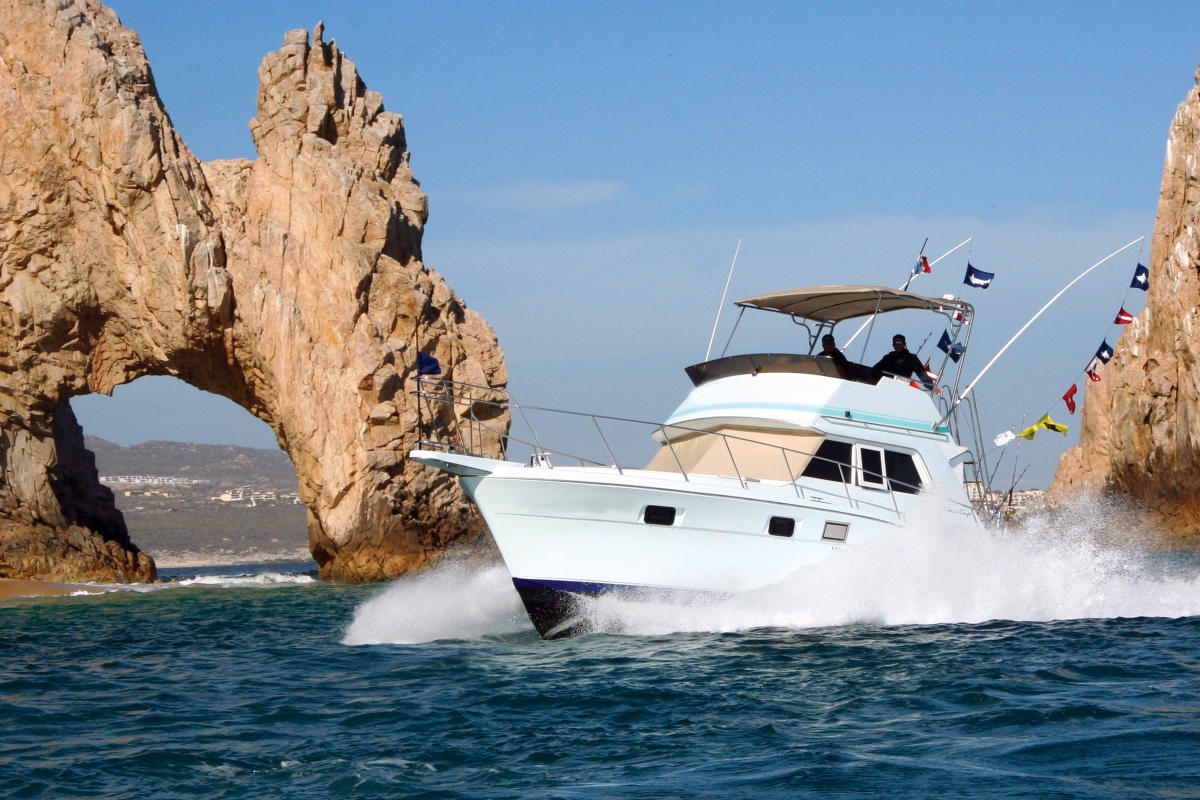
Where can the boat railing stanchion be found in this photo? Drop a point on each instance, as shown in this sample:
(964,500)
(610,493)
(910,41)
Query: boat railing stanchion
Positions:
(476,438)
(791,475)
(604,439)
(532,433)
(733,460)
(674,455)
(420,414)
(458,434)
(846,481)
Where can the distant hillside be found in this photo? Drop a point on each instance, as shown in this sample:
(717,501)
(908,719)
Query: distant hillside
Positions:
(224,465)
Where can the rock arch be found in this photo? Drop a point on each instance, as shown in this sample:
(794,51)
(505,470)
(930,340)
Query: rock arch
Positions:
(292,285)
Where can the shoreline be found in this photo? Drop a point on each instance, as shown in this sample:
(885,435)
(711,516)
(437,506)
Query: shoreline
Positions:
(19,587)
(12,588)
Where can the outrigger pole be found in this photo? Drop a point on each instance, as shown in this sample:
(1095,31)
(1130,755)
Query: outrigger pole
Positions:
(1061,292)
(905,286)
(717,321)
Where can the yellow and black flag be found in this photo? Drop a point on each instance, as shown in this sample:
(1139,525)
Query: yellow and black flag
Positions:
(1050,425)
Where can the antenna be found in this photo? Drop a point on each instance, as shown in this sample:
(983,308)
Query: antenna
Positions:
(905,286)
(717,321)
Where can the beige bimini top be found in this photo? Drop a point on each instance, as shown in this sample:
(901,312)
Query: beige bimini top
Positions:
(836,303)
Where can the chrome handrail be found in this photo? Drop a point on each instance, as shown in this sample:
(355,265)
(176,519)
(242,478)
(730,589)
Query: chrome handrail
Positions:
(454,393)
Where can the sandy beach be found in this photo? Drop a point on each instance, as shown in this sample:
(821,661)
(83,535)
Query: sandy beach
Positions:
(15,587)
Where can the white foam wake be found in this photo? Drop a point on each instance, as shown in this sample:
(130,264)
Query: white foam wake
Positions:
(450,601)
(935,570)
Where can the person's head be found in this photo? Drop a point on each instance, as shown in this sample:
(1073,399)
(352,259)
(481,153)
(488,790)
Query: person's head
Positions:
(898,343)
(827,342)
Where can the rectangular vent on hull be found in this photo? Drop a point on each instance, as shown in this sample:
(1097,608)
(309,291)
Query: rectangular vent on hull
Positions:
(836,531)
(659,515)
(781,526)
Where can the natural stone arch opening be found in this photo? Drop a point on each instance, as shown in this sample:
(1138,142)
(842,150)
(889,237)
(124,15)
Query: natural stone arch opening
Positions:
(292,285)
(158,436)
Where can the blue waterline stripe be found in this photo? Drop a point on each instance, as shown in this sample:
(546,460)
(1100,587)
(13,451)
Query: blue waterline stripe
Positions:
(589,588)
(883,419)
(573,586)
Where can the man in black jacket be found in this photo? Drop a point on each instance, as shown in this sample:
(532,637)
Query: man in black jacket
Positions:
(829,350)
(902,363)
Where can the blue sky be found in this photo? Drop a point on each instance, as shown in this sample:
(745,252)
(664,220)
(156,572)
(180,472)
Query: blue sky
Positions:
(591,167)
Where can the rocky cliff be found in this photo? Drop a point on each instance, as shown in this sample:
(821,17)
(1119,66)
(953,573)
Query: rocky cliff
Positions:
(292,284)
(1141,424)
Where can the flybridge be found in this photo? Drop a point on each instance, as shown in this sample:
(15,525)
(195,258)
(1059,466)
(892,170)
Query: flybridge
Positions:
(819,309)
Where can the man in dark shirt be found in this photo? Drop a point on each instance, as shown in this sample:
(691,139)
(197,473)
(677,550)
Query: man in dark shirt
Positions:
(902,363)
(829,350)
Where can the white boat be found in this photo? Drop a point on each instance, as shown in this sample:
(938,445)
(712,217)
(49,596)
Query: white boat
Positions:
(773,462)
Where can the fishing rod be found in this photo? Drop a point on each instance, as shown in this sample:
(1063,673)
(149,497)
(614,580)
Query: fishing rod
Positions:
(722,304)
(917,352)
(911,275)
(1008,344)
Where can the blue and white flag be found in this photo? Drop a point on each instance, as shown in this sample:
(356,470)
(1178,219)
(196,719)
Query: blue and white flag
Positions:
(947,346)
(1105,352)
(1141,278)
(428,365)
(978,278)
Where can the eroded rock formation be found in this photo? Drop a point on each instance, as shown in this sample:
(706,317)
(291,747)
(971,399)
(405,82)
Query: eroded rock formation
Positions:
(291,284)
(1141,424)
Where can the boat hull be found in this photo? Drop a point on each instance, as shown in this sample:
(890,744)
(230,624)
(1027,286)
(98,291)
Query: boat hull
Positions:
(570,535)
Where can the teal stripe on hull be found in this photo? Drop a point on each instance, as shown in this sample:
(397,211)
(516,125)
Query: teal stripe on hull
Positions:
(857,415)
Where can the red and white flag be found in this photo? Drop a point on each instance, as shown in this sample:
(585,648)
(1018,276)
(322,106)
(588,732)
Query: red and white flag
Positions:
(1069,398)
(1123,317)
(1091,371)
(933,376)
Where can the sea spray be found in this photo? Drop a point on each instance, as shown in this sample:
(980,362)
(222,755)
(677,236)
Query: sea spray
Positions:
(937,568)
(450,601)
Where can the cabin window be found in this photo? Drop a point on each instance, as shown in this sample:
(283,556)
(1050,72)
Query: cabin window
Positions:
(659,515)
(902,472)
(877,468)
(836,531)
(781,526)
(870,463)
(831,462)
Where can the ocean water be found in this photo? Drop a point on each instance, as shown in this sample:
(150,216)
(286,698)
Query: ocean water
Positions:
(1036,662)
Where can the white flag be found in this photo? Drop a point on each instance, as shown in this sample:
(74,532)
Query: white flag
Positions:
(1004,438)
